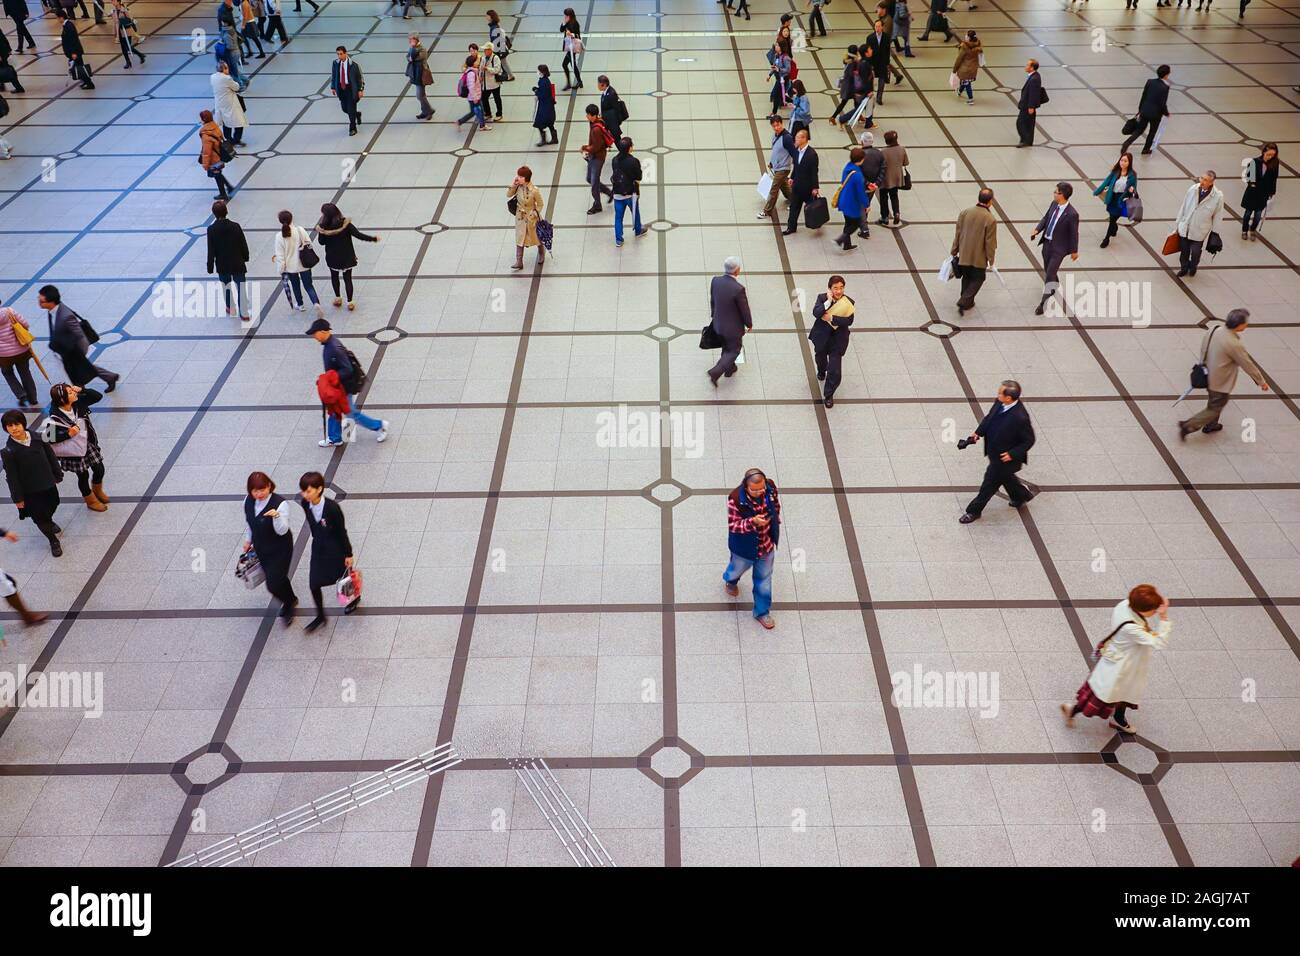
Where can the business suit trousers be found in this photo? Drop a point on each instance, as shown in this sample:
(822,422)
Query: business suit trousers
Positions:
(1025,123)
(274,25)
(971,281)
(1051,265)
(1150,126)
(815,20)
(796,207)
(727,362)
(829,363)
(20,27)
(1209,415)
(998,474)
(1189,254)
(348,103)
(780,187)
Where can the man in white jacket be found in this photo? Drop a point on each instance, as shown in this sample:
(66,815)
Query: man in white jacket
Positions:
(1198,217)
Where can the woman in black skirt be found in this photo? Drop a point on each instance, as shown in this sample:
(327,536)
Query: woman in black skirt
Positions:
(75,443)
(269,535)
(331,551)
(33,474)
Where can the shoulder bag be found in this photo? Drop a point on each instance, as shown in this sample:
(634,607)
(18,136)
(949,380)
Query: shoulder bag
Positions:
(307,254)
(1200,376)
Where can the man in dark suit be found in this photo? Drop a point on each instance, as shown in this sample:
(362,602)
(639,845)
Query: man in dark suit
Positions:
(1059,228)
(729,308)
(228,257)
(68,341)
(1008,435)
(613,111)
(830,336)
(1031,96)
(804,184)
(1152,108)
(347,83)
(876,49)
(17,11)
(71,42)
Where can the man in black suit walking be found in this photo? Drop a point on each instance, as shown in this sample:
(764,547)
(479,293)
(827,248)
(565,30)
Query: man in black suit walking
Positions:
(829,335)
(876,48)
(729,308)
(1031,96)
(804,184)
(1152,108)
(72,49)
(1008,435)
(1060,231)
(613,111)
(347,83)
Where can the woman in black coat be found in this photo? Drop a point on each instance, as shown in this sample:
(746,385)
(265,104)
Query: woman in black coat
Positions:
(331,551)
(830,335)
(270,537)
(544,116)
(336,232)
(1261,185)
(33,474)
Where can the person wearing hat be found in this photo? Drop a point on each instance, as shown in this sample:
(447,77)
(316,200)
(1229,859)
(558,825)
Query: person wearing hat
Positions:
(340,360)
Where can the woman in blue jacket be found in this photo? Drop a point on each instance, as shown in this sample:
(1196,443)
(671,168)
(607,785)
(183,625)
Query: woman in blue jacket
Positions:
(1117,187)
(801,116)
(853,199)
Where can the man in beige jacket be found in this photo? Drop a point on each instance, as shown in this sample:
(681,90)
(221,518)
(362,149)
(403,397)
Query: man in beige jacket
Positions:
(974,244)
(1225,355)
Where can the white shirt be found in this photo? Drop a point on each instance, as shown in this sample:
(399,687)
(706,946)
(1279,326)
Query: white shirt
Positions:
(1057,213)
(279,524)
(318,510)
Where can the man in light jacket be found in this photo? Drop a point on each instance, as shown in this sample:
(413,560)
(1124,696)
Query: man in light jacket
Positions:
(1224,357)
(1198,217)
(975,243)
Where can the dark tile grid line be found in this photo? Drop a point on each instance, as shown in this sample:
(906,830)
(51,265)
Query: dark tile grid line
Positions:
(235,699)
(421,854)
(1149,784)
(119,540)
(880,667)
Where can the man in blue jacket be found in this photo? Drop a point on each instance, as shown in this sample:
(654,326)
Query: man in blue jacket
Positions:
(336,357)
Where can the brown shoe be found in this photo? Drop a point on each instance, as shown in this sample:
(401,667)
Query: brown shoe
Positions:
(94,504)
(731,589)
(98,491)
(767,621)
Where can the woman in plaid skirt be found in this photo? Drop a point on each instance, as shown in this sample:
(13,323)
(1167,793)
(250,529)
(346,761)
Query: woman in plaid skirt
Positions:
(1140,626)
(75,443)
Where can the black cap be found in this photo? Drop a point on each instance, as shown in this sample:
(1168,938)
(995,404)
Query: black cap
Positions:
(320,325)
(787,17)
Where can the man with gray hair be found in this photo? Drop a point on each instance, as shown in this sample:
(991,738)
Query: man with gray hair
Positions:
(1008,435)
(729,310)
(1199,216)
(1223,356)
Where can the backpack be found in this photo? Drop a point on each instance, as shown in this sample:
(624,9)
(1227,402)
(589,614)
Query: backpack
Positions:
(609,140)
(462,85)
(357,382)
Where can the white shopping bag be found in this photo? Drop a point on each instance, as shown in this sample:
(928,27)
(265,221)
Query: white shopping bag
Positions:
(945,269)
(857,113)
(765,186)
(740,359)
(994,270)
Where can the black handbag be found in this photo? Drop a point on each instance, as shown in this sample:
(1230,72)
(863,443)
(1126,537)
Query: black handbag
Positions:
(816,213)
(1214,244)
(907,180)
(87,330)
(709,338)
(1043,97)
(1130,126)
(1200,377)
(308,256)
(513,205)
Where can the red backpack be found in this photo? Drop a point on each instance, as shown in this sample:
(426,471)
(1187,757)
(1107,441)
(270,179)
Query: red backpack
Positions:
(609,140)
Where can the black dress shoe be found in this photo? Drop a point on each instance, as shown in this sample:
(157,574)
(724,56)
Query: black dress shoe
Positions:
(56,549)
(821,376)
(356,602)
(1212,427)
(788,232)
(830,403)
(111,385)
(967,518)
(1039,310)
(713,381)
(313,624)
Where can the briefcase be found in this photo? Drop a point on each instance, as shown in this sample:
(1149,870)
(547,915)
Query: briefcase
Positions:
(1130,126)
(816,213)
(709,338)
(1171,244)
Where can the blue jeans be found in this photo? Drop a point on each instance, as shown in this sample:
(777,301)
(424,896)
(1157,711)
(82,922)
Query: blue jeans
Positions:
(237,279)
(334,426)
(619,206)
(968,86)
(762,578)
(294,282)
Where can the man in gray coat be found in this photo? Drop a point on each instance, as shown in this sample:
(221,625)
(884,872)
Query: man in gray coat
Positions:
(729,308)
(68,341)
(1224,357)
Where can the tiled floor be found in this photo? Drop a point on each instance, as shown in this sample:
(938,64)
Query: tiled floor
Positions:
(531,593)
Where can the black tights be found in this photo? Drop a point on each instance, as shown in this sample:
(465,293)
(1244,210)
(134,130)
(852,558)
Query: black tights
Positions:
(571,61)
(84,480)
(347,282)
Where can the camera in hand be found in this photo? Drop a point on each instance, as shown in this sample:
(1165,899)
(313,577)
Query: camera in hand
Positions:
(964,442)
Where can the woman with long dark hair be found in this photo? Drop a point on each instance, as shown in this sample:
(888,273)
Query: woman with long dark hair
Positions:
(571,31)
(270,538)
(75,443)
(295,274)
(1261,186)
(1118,187)
(544,114)
(336,232)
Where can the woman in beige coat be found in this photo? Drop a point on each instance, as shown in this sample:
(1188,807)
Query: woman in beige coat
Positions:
(967,66)
(895,176)
(528,211)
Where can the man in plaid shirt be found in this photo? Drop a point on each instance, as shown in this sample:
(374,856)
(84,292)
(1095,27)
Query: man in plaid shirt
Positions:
(753,531)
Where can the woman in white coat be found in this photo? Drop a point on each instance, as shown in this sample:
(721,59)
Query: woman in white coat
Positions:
(295,273)
(1140,626)
(229,112)
(1197,218)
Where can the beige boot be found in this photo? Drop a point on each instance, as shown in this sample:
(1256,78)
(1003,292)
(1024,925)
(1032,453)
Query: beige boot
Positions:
(94,504)
(99,493)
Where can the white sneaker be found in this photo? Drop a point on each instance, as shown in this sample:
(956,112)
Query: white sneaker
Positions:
(326,443)
(383,431)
